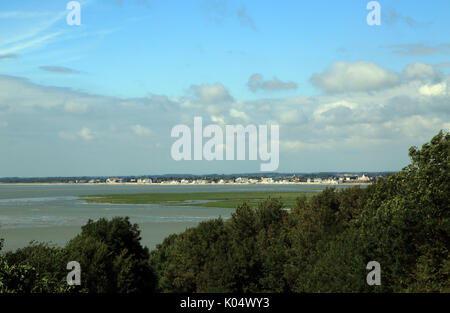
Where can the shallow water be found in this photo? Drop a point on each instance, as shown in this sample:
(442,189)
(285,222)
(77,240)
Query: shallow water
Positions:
(54,213)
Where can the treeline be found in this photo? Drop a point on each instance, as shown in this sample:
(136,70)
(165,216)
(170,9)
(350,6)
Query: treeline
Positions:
(320,245)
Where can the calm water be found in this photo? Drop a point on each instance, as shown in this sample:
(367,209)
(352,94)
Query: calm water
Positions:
(55,213)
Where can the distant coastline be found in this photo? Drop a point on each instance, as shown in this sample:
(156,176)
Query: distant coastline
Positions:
(188,184)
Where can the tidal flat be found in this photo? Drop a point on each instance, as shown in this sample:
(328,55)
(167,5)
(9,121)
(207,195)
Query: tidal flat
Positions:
(201,199)
(55,213)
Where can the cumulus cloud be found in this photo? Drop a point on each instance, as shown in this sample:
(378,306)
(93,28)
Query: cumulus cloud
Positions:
(355,119)
(357,76)
(434,90)
(18,94)
(290,116)
(238,114)
(256,82)
(419,71)
(210,94)
(336,111)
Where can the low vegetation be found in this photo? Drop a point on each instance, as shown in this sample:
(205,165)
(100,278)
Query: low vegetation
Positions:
(203,199)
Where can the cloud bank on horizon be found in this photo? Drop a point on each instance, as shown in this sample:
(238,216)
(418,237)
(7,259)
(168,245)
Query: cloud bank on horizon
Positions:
(101,98)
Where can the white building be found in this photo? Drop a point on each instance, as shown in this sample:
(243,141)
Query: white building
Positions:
(113,180)
(364,178)
(144,181)
(267,180)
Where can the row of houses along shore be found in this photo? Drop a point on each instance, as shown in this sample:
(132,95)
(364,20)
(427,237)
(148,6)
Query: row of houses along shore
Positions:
(332,180)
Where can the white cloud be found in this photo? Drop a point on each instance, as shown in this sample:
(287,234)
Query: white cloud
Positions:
(86,134)
(76,108)
(357,76)
(66,136)
(297,145)
(256,82)
(434,90)
(238,114)
(290,117)
(419,71)
(353,121)
(210,94)
(38,41)
(218,119)
(320,112)
(415,126)
(141,130)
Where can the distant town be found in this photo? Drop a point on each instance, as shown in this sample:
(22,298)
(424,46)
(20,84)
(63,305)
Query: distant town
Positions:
(329,178)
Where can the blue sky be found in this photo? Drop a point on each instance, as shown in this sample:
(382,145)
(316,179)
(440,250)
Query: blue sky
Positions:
(101,98)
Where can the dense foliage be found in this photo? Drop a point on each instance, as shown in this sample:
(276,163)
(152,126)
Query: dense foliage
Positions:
(321,245)
(109,253)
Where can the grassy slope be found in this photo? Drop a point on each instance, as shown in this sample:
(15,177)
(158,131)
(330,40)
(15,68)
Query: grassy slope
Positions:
(218,199)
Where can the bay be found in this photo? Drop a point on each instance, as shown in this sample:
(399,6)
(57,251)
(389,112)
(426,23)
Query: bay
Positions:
(55,213)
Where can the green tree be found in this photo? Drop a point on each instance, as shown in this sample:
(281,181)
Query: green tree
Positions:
(111,257)
(405,225)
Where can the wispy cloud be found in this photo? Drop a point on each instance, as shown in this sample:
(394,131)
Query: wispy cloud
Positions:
(8,56)
(140,2)
(59,69)
(391,17)
(442,65)
(30,43)
(23,14)
(244,19)
(216,10)
(35,30)
(419,49)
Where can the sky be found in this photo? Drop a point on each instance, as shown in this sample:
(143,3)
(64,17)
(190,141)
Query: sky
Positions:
(101,98)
